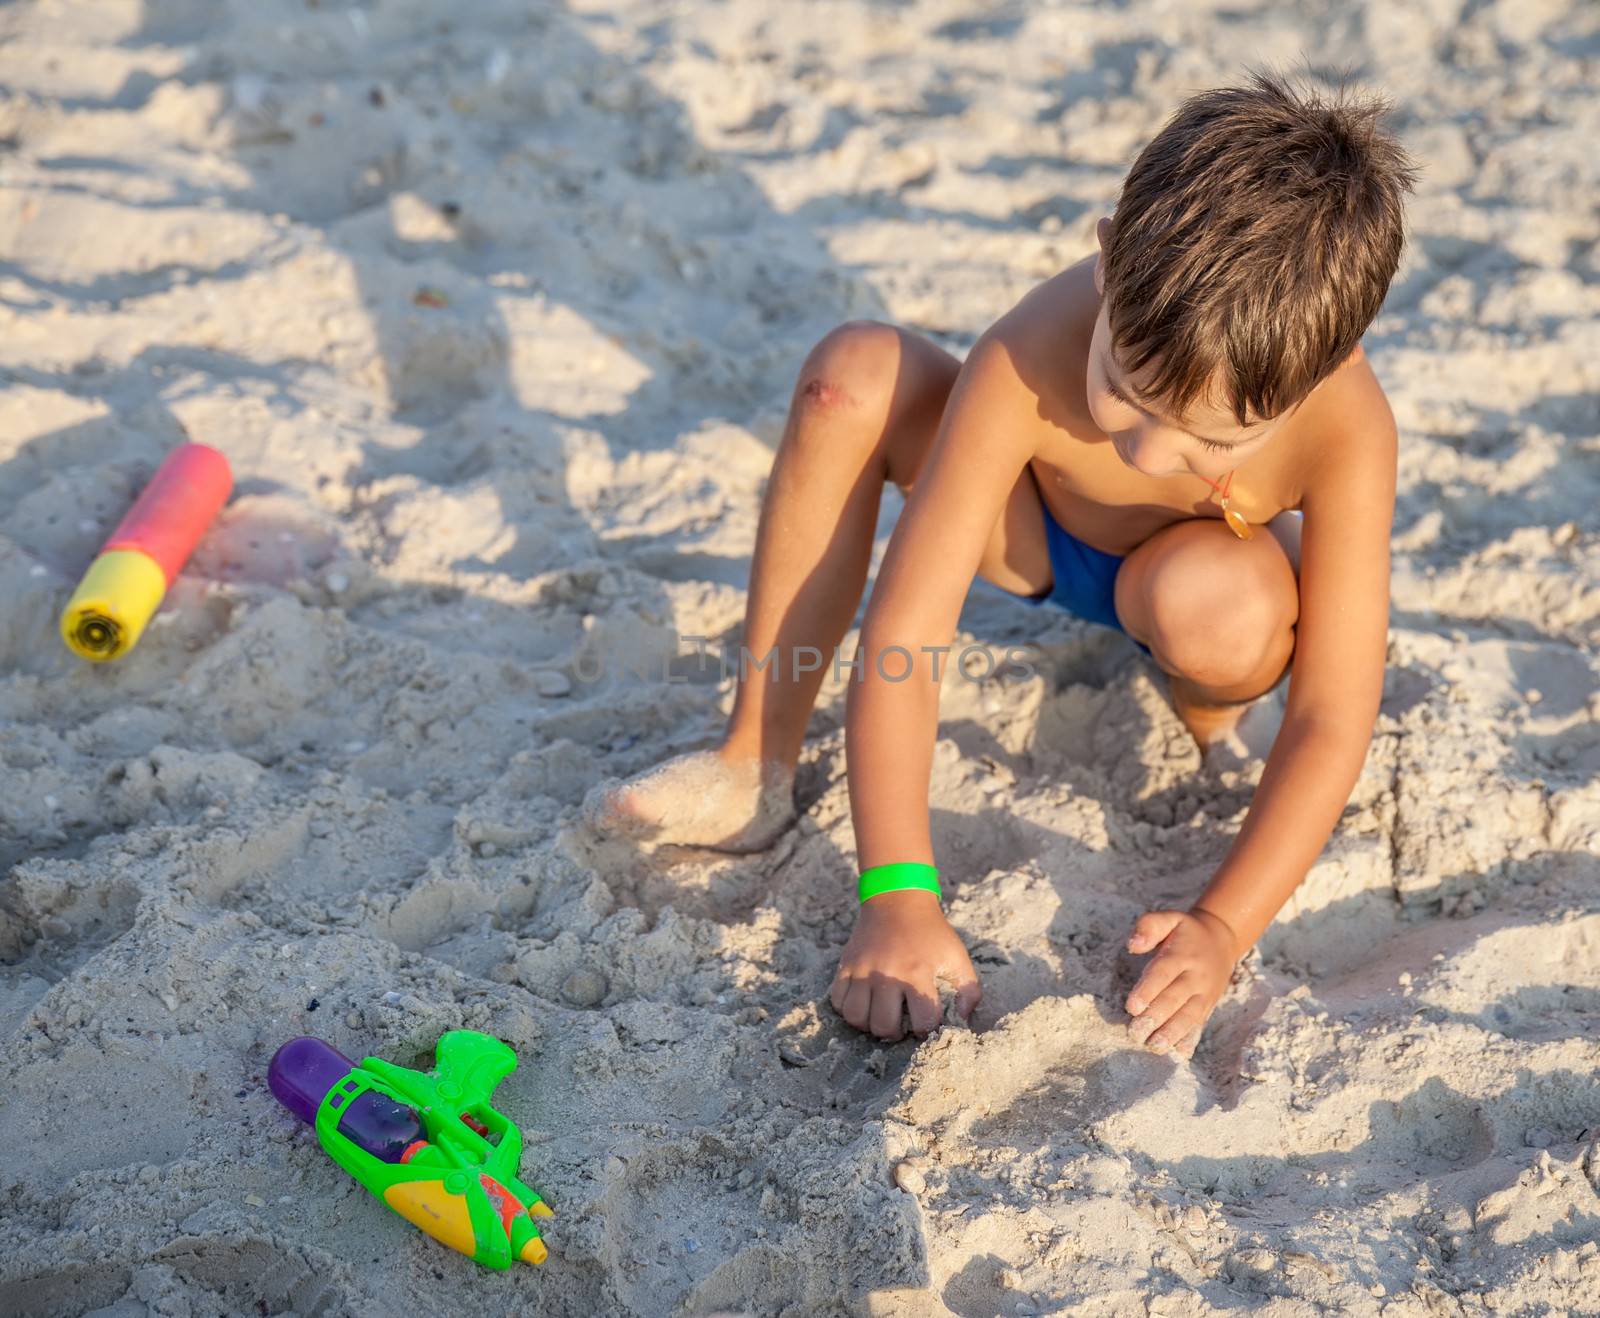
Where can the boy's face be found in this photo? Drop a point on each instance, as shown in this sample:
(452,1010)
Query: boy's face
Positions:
(1207,442)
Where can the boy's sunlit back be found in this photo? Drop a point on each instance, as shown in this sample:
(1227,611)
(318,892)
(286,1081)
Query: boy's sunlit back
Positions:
(1180,438)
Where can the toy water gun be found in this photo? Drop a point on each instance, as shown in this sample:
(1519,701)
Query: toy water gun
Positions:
(128,579)
(426,1143)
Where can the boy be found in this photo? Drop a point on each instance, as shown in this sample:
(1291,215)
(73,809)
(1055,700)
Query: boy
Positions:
(1139,440)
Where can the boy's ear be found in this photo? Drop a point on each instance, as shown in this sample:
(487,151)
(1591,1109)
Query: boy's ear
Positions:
(1102,234)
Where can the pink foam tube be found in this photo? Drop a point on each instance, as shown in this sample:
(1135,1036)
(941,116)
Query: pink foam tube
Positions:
(181,500)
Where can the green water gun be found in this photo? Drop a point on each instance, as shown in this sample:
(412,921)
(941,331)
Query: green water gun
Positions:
(427,1143)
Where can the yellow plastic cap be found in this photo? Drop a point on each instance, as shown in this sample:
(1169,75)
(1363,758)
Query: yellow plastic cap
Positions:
(534,1251)
(116,598)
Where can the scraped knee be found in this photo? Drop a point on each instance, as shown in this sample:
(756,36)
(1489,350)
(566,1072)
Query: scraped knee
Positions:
(853,368)
(819,393)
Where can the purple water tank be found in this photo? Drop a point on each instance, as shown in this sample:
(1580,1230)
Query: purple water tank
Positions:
(305,1069)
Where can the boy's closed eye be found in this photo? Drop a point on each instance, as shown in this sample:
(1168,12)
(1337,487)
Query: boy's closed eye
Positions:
(1123,396)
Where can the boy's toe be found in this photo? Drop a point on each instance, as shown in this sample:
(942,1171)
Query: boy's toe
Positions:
(606,810)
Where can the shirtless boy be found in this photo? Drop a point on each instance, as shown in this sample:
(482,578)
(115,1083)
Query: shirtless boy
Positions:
(1179,437)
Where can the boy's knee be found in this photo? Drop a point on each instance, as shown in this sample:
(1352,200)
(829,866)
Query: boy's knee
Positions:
(1217,623)
(853,368)
(1217,659)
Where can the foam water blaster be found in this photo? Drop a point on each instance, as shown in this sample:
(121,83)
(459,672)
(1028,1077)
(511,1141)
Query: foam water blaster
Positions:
(129,577)
(426,1143)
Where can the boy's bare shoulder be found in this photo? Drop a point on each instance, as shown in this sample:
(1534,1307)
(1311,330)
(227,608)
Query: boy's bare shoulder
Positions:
(1051,315)
(1347,427)
(1045,337)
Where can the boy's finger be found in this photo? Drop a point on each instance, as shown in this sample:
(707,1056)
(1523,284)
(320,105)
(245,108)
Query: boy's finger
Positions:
(1151,927)
(1157,976)
(1187,1018)
(1190,1042)
(887,1019)
(1165,1003)
(923,1009)
(969,993)
(837,991)
(857,1003)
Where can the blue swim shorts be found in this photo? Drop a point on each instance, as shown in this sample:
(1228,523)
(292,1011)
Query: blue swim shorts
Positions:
(1085,577)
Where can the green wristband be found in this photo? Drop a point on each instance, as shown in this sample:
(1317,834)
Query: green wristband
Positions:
(898,878)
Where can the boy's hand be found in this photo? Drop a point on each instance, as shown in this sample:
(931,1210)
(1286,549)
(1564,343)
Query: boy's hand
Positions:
(901,944)
(1193,962)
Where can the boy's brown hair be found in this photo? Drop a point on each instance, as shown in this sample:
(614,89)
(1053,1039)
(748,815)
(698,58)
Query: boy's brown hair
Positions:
(1253,243)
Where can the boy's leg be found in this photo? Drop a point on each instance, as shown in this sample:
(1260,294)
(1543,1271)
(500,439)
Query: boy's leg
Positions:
(1217,612)
(866,406)
(865,411)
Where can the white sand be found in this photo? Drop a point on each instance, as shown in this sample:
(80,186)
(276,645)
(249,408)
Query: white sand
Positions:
(337,772)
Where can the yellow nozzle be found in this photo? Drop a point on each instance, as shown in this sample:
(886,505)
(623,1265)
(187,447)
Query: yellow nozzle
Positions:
(534,1251)
(116,598)
(541,1209)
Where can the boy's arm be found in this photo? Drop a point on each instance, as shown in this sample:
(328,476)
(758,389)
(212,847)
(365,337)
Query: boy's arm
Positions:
(902,943)
(1335,686)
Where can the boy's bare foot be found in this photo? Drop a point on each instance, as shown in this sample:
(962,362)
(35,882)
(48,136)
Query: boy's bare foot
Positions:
(701,799)
(1209,724)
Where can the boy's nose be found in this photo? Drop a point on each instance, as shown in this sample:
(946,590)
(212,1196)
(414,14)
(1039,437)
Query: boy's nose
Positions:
(1149,452)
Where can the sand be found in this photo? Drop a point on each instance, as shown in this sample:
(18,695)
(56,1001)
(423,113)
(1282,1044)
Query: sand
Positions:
(495,309)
